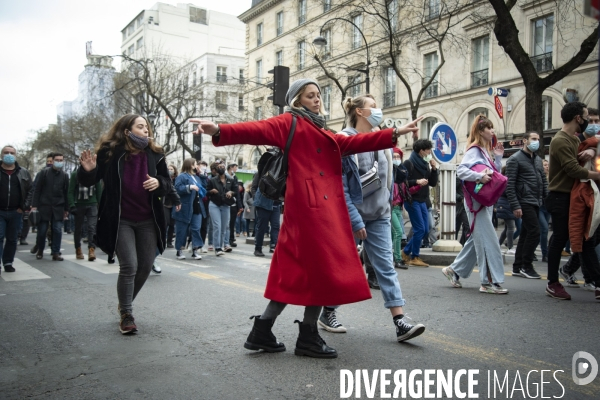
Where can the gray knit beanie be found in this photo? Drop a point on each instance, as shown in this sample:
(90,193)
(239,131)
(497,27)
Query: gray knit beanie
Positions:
(295,88)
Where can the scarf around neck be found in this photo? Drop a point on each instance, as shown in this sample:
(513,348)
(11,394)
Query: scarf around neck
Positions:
(418,162)
(317,119)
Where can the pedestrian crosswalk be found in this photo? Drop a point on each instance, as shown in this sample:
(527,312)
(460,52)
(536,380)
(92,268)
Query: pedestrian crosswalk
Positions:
(99,265)
(23,272)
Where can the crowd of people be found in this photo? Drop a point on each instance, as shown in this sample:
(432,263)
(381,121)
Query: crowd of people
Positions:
(127,200)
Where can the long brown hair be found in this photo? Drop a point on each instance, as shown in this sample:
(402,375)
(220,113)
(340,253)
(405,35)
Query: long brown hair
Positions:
(116,136)
(479,124)
(187,165)
(175,171)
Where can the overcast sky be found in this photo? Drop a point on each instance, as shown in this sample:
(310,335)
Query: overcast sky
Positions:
(42,52)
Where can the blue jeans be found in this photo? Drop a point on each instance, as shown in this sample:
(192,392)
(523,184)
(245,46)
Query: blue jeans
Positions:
(181,232)
(10,225)
(219,215)
(263,218)
(419,219)
(56,235)
(544,217)
(378,245)
(240,224)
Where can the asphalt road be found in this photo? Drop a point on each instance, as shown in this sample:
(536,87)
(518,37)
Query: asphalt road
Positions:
(59,336)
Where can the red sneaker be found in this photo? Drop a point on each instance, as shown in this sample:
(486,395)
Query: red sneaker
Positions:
(557,291)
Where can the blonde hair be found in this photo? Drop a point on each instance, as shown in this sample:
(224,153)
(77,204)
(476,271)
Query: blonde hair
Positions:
(351,104)
(475,139)
(295,103)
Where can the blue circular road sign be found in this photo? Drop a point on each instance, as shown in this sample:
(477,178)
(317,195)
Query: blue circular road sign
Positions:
(444,142)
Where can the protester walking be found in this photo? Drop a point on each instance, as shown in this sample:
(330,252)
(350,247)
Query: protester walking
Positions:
(221,192)
(249,210)
(15,186)
(168,205)
(131,220)
(83,204)
(482,247)
(305,270)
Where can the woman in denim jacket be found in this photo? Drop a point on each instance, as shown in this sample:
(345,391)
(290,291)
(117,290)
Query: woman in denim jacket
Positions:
(370,216)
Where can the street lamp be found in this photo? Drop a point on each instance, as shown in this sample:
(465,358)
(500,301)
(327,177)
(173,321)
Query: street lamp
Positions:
(321,42)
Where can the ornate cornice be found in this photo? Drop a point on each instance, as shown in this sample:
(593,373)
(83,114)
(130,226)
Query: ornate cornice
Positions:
(257,10)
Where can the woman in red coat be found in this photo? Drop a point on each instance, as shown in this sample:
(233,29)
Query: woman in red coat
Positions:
(305,269)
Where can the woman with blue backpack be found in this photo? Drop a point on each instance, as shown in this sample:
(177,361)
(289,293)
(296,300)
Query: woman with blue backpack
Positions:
(482,247)
(189,217)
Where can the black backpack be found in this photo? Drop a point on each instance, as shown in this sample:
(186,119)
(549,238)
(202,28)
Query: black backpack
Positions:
(273,168)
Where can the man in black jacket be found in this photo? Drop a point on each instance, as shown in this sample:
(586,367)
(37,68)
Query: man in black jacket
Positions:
(15,185)
(51,198)
(237,208)
(527,187)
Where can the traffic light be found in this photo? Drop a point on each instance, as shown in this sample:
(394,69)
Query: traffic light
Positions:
(280,84)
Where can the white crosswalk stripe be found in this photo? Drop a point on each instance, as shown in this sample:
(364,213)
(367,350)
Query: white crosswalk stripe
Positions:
(99,265)
(23,272)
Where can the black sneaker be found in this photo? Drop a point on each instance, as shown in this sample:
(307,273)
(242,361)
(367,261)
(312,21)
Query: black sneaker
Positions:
(406,331)
(328,321)
(535,258)
(219,252)
(272,250)
(233,244)
(530,273)
(258,253)
(9,268)
(517,272)
(34,249)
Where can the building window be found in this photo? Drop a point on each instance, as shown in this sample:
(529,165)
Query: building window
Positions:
(327,49)
(255,157)
(326,5)
(221,100)
(430,63)
(279,58)
(241,77)
(354,83)
(198,15)
(481,57)
(301,11)
(542,30)
(124,34)
(392,10)
(426,126)
(258,113)
(389,93)
(326,96)
(130,29)
(140,43)
(356,36)
(433,9)
(259,34)
(474,114)
(130,50)
(279,23)
(301,54)
(240,102)
(140,20)
(259,71)
(194,78)
(202,75)
(547,112)
(221,74)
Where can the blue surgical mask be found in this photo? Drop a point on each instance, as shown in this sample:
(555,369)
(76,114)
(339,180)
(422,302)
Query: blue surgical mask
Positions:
(592,130)
(534,145)
(376,116)
(58,164)
(8,159)
(396,162)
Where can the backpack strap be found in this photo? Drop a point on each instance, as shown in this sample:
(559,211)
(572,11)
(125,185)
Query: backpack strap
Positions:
(469,201)
(288,144)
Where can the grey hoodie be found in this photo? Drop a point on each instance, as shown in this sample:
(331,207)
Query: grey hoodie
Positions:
(377,205)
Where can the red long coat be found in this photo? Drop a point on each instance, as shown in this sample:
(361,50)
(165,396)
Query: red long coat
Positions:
(315,262)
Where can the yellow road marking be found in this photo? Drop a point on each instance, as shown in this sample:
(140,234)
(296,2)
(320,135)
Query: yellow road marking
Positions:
(225,282)
(202,275)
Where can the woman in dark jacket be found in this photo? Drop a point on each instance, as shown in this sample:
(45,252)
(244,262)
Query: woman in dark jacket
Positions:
(130,217)
(173,173)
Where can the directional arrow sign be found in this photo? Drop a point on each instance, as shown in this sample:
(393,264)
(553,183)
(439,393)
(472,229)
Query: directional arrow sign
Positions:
(444,142)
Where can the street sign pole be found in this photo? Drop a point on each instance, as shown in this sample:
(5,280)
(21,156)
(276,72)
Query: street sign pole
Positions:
(444,150)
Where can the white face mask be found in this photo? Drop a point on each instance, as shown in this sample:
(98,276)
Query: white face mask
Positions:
(427,158)
(396,162)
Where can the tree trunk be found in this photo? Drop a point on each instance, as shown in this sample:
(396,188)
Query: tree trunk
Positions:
(533,112)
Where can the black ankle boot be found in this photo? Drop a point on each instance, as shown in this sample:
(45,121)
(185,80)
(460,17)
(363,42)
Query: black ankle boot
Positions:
(261,337)
(372,280)
(311,344)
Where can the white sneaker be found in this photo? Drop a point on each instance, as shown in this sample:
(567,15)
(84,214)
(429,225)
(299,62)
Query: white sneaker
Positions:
(196,255)
(204,250)
(156,269)
(511,251)
(590,287)
(180,255)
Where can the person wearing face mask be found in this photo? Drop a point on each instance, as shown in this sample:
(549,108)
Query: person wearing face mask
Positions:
(370,216)
(202,174)
(222,194)
(564,171)
(131,221)
(49,161)
(422,171)
(526,190)
(15,185)
(51,198)
(168,204)
(305,269)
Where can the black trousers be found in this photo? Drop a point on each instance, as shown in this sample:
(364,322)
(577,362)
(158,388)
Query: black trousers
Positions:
(558,205)
(590,266)
(462,220)
(170,223)
(232,216)
(529,238)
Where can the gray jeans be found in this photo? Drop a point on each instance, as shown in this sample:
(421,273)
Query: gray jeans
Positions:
(136,250)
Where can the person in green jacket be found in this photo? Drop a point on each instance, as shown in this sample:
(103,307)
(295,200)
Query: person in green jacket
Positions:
(83,203)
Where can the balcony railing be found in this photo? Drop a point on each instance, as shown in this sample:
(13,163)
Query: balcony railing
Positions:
(543,62)
(479,78)
(432,90)
(222,78)
(389,99)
